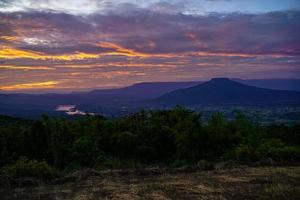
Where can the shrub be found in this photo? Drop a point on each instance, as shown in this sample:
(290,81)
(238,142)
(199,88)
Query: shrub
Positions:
(30,168)
(268,148)
(287,153)
(245,153)
(85,152)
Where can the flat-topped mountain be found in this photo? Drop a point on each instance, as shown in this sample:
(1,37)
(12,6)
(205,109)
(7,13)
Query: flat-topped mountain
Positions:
(223,91)
(218,91)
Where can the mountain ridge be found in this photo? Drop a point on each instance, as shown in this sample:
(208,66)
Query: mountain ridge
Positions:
(145,95)
(223,91)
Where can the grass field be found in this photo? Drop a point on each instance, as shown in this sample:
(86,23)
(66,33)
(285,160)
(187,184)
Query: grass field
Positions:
(238,183)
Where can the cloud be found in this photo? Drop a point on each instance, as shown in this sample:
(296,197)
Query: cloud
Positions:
(268,33)
(167,7)
(12,53)
(67,6)
(86,7)
(151,43)
(25,67)
(38,85)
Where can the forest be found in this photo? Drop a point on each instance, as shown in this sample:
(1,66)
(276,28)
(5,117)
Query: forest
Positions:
(51,147)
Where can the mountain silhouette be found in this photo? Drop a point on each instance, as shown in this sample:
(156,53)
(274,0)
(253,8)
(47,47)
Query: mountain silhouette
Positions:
(145,89)
(218,91)
(223,91)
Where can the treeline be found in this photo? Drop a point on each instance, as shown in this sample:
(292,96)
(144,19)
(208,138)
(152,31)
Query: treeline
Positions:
(166,137)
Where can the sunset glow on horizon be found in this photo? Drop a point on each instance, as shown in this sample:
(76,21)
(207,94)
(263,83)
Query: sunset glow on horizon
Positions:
(87,44)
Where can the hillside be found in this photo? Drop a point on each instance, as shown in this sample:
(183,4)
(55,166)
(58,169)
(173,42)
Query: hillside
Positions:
(137,96)
(223,91)
(146,90)
(276,84)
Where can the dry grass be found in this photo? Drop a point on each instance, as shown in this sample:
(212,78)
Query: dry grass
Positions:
(241,183)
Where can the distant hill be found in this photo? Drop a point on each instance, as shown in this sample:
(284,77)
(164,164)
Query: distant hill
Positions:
(156,89)
(28,105)
(164,93)
(223,91)
(145,90)
(276,84)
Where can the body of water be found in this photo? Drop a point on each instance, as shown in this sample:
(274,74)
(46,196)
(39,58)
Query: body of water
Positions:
(71,110)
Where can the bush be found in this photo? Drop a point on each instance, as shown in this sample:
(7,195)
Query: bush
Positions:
(245,153)
(85,152)
(268,148)
(30,168)
(286,153)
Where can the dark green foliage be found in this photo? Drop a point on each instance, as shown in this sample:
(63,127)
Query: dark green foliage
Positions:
(169,137)
(268,148)
(85,152)
(30,168)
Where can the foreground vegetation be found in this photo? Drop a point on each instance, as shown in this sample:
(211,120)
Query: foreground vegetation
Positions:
(51,147)
(236,183)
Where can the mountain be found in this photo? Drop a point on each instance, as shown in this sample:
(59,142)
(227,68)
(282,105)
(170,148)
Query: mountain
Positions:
(223,91)
(28,105)
(276,84)
(216,91)
(145,90)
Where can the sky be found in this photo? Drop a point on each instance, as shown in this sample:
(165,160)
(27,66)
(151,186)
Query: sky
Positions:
(70,45)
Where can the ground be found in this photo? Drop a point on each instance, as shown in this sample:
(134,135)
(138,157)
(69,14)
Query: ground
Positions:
(238,183)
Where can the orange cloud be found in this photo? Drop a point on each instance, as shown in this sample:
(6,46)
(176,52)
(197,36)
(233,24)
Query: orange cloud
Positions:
(116,64)
(119,50)
(116,50)
(13,53)
(122,51)
(26,67)
(9,38)
(37,85)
